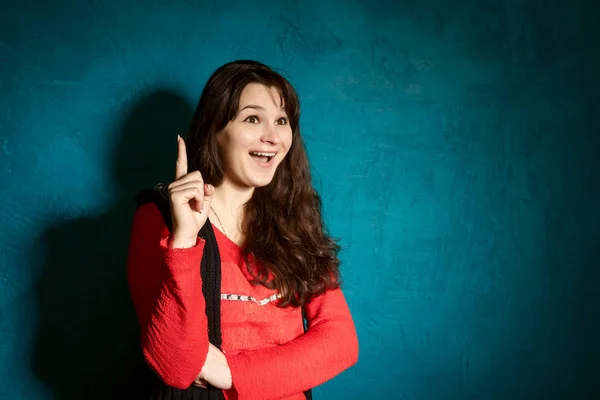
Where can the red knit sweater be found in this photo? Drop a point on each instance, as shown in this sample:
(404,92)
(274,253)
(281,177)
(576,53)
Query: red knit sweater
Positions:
(269,355)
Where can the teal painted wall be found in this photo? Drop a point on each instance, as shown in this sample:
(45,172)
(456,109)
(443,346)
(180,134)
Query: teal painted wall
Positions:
(455,144)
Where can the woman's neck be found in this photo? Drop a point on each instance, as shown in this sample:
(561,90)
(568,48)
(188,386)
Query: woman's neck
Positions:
(230,198)
(228,207)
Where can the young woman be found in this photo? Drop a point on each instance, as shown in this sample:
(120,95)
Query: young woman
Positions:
(242,185)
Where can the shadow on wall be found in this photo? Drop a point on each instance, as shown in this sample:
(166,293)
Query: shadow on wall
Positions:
(87,344)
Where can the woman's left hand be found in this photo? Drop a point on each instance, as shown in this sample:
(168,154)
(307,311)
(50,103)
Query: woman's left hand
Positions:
(215,370)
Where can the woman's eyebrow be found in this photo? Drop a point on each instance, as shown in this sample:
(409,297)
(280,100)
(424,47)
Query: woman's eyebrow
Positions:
(252,106)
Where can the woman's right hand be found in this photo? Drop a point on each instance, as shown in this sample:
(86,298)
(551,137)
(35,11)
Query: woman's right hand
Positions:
(215,370)
(190,200)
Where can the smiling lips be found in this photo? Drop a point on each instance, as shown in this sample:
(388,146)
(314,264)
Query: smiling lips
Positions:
(263,158)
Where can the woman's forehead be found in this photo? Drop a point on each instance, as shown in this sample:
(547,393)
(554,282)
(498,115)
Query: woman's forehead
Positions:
(262,96)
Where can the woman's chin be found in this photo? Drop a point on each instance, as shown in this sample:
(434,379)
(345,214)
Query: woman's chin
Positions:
(253,182)
(257,183)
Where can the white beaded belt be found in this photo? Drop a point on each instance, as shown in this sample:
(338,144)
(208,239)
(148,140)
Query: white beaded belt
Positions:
(240,297)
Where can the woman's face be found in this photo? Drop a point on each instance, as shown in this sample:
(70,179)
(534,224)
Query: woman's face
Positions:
(255,142)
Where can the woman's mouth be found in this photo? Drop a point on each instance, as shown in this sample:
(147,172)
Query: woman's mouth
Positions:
(263,158)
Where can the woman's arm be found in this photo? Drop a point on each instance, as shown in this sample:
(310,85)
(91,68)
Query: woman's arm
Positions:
(328,347)
(166,289)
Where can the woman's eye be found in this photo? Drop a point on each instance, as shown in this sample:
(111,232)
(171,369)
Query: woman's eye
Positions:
(282,121)
(253,119)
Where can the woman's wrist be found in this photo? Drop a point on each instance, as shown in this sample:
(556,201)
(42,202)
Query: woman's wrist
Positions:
(178,242)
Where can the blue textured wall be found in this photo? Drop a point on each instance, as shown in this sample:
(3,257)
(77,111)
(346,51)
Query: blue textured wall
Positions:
(455,144)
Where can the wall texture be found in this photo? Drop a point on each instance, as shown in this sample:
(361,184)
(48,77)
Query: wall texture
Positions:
(455,145)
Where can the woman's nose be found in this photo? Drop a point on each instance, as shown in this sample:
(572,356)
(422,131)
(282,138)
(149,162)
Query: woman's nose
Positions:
(270,135)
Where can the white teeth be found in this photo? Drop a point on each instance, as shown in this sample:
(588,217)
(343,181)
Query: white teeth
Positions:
(263,154)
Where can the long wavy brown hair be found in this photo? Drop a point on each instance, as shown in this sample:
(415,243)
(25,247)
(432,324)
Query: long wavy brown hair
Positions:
(283,226)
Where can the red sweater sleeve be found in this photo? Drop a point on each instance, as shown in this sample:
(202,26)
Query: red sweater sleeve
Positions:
(166,289)
(329,346)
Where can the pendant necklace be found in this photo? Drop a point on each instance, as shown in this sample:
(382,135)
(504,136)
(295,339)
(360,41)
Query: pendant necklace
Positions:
(220,223)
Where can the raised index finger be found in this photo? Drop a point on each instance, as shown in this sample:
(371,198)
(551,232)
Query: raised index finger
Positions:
(181,168)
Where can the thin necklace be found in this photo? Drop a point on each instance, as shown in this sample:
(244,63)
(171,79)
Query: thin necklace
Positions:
(220,223)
